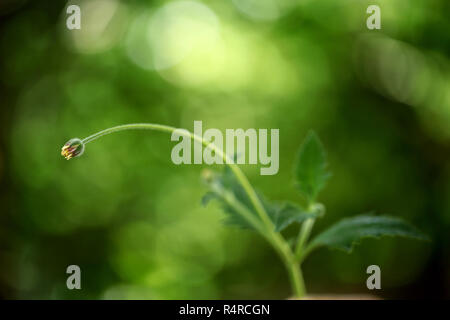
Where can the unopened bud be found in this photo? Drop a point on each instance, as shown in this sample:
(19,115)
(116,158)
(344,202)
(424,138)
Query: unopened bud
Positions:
(73,148)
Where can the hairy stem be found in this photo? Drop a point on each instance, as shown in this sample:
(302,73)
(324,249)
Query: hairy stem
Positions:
(267,228)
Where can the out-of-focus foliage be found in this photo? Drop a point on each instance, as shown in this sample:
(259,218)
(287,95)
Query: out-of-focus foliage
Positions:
(132,220)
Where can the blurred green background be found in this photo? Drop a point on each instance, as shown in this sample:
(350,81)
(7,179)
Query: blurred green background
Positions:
(132,220)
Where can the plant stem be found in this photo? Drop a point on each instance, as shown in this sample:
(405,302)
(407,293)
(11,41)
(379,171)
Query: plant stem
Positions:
(303,236)
(267,228)
(296,278)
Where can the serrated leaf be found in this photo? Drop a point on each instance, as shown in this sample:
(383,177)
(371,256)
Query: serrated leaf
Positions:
(289,213)
(311,167)
(225,184)
(282,214)
(345,234)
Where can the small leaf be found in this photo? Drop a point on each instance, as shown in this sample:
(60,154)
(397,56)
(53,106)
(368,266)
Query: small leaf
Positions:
(345,234)
(225,184)
(311,168)
(289,213)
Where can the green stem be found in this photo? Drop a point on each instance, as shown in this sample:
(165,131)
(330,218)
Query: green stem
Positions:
(297,280)
(304,248)
(267,228)
(300,252)
(303,236)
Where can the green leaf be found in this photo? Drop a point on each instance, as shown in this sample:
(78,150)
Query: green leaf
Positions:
(225,186)
(311,167)
(233,216)
(229,193)
(289,213)
(345,234)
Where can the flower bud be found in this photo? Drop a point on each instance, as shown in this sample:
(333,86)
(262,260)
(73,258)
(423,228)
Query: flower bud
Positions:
(73,148)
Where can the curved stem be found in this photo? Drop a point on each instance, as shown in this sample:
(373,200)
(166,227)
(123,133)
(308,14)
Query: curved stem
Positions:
(274,238)
(228,160)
